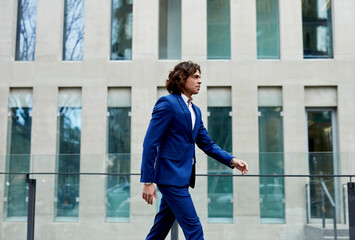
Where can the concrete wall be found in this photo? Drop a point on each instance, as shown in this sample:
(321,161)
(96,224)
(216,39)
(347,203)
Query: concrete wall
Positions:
(243,73)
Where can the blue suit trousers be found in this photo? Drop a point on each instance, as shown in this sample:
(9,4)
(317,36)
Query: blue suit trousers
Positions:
(176,203)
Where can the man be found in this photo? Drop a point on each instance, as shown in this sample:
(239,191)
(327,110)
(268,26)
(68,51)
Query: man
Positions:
(169,153)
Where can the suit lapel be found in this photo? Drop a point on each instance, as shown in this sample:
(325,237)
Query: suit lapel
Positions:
(187,113)
(197,121)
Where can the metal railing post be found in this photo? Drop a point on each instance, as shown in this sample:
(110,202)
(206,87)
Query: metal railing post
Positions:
(31,207)
(323,209)
(344,203)
(325,191)
(175,231)
(335,223)
(307,202)
(351,207)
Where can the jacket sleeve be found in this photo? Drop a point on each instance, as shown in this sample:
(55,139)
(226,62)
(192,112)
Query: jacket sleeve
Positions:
(205,143)
(161,119)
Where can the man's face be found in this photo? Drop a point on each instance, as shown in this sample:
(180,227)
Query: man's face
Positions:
(192,84)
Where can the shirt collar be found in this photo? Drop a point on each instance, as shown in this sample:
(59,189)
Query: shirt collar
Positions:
(186,99)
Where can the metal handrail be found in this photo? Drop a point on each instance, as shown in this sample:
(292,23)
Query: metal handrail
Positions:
(174,233)
(197,174)
(326,191)
(344,202)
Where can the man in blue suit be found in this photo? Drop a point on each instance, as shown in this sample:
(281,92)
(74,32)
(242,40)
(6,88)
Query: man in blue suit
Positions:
(169,153)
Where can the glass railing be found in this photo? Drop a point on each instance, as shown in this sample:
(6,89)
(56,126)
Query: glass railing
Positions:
(102,198)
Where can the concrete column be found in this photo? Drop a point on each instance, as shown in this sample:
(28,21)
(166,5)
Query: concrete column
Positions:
(194,30)
(296,160)
(245,139)
(4,94)
(291,35)
(49,31)
(93,150)
(145,30)
(43,149)
(343,21)
(8,19)
(346,130)
(97,40)
(243,30)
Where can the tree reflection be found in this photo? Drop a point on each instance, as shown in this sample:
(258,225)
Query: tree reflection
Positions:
(73,30)
(26,30)
(69,136)
(121,35)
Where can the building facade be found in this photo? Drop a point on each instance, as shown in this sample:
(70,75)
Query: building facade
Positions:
(79,79)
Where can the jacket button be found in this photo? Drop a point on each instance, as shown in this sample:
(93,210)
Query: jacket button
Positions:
(192,143)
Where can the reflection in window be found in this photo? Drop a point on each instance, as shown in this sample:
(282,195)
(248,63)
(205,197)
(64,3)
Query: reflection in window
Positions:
(18,153)
(271,161)
(220,189)
(218,29)
(317,29)
(267,16)
(118,154)
(68,150)
(73,30)
(271,156)
(170,29)
(26,30)
(121,30)
(321,159)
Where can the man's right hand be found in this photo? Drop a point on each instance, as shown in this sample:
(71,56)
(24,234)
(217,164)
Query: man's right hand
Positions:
(149,192)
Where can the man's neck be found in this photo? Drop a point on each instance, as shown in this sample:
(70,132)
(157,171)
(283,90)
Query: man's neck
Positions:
(189,96)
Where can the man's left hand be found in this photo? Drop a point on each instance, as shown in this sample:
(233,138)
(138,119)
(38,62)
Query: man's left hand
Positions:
(240,165)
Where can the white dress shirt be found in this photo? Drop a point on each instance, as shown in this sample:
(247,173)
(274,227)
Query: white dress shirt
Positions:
(189,106)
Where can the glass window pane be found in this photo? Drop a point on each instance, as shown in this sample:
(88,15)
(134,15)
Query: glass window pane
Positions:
(317,29)
(18,153)
(118,158)
(121,30)
(170,29)
(73,30)
(220,189)
(218,29)
(26,30)
(321,158)
(68,150)
(267,33)
(271,161)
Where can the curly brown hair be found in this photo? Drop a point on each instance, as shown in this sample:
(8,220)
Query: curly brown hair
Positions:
(177,77)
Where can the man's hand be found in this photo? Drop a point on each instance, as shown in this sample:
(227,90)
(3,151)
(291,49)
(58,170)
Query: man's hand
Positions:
(240,165)
(149,192)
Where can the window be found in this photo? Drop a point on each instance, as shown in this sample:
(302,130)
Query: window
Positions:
(118,154)
(73,30)
(170,29)
(218,29)
(26,30)
(68,154)
(322,158)
(220,189)
(18,153)
(267,16)
(317,29)
(121,30)
(271,157)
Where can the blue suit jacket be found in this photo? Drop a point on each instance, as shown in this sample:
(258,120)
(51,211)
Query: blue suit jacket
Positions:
(169,144)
